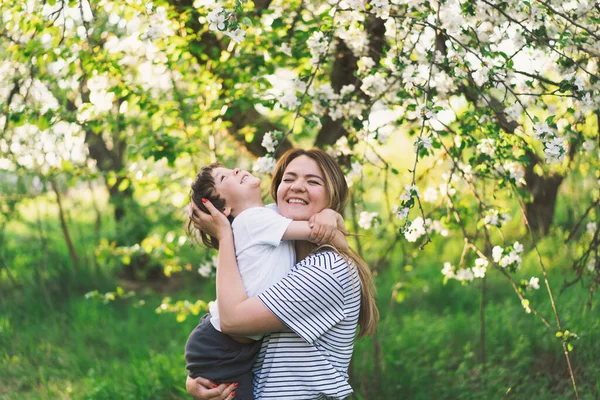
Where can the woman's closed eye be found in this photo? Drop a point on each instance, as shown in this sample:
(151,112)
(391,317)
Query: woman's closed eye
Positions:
(315,183)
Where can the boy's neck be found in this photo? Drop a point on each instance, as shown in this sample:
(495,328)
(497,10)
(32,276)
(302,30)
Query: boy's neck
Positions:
(252,204)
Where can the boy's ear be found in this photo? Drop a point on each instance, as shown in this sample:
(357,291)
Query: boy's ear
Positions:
(226,211)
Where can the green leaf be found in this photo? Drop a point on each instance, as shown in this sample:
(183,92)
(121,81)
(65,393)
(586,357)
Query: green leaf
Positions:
(123,185)
(67,166)
(43,123)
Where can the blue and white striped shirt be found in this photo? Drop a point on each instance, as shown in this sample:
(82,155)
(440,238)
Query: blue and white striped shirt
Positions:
(319,301)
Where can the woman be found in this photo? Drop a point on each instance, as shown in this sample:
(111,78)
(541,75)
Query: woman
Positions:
(313,312)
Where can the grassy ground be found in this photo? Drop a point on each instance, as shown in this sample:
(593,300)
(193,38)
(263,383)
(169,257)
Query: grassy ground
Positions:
(64,346)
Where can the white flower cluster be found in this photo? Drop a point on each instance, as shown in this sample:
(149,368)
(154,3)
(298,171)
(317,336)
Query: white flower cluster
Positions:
(588,146)
(354,174)
(418,227)
(555,147)
(317,45)
(466,274)
(415,230)
(374,85)
(494,218)
(159,25)
(264,164)
(591,265)
(400,213)
(409,190)
(336,105)
(271,140)
(289,98)
(487,146)
(209,268)
(591,228)
(423,142)
(381,8)
(218,20)
(534,283)
(430,195)
(514,170)
(368,220)
(510,258)
(101,100)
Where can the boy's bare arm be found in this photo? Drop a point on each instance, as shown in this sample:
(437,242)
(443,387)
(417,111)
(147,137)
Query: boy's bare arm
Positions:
(326,227)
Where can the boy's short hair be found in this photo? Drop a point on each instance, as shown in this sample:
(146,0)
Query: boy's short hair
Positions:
(204,187)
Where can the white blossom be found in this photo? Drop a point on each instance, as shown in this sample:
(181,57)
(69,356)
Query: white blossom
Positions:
(480,267)
(368,219)
(237,35)
(534,283)
(588,146)
(264,164)
(415,230)
(430,195)
(317,45)
(465,274)
(591,228)
(401,213)
(448,270)
(487,146)
(269,142)
(497,253)
(591,264)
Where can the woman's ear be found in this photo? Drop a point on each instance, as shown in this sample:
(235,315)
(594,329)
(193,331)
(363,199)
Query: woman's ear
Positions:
(226,211)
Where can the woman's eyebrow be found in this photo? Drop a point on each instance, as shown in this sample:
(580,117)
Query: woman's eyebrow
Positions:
(295,175)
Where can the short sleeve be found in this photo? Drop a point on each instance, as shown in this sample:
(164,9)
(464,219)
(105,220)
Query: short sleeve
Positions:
(261,225)
(309,300)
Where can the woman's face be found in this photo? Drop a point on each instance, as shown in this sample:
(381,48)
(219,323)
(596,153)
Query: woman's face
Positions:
(302,192)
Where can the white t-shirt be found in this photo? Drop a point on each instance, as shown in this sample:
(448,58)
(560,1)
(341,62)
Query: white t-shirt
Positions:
(319,301)
(263,258)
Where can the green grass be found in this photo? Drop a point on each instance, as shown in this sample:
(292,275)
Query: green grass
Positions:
(429,341)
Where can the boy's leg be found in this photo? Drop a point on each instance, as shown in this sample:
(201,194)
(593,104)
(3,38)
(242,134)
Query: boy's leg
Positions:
(216,356)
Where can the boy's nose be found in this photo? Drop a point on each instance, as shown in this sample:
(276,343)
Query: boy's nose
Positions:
(236,171)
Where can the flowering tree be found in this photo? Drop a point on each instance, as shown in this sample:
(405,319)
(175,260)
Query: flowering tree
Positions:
(501,100)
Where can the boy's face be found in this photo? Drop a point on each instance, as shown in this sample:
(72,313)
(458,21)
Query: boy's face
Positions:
(238,188)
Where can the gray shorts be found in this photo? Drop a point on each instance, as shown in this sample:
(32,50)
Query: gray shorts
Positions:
(216,356)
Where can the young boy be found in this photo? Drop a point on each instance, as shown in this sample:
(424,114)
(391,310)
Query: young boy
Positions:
(265,253)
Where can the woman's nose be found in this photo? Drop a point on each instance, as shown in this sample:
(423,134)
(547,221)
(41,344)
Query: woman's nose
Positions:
(298,186)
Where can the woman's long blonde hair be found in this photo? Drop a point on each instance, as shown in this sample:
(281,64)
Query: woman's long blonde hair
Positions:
(337,192)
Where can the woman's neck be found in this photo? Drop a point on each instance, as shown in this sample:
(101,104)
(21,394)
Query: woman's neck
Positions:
(303,249)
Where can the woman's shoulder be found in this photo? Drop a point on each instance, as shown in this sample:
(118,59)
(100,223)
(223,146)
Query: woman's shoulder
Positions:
(327,257)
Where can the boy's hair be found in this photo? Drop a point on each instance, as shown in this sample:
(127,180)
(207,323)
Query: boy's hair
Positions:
(204,187)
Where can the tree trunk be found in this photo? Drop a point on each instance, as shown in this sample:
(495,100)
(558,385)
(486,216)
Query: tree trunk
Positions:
(65,228)
(540,209)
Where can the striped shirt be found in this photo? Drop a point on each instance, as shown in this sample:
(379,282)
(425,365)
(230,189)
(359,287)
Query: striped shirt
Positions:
(319,301)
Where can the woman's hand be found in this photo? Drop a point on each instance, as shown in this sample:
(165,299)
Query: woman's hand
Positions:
(203,389)
(215,224)
(325,225)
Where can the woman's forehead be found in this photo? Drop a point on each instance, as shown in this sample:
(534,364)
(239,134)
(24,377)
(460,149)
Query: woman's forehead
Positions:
(302,166)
